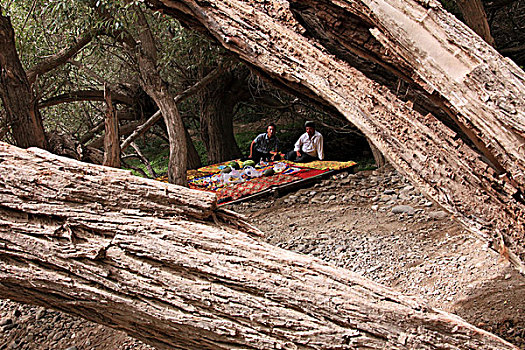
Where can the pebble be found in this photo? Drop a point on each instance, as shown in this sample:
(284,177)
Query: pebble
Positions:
(403,209)
(6,321)
(437,215)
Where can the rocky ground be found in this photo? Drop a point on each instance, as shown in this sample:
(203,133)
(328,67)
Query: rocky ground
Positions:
(373,223)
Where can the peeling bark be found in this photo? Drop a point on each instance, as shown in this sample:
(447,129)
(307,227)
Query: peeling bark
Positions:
(482,91)
(111,136)
(160,262)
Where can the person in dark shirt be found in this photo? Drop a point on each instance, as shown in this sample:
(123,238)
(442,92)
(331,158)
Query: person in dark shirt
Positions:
(265,146)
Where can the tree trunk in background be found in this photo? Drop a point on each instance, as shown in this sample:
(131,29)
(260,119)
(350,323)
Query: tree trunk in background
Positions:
(217,104)
(159,91)
(483,93)
(476,18)
(17,96)
(161,263)
(379,158)
(111,137)
(194,161)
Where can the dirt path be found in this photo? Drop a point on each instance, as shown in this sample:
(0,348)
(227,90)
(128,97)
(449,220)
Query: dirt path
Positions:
(373,223)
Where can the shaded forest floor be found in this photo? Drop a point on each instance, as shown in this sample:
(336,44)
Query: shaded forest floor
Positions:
(373,223)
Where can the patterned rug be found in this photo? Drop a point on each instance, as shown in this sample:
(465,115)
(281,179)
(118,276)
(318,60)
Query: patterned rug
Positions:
(231,193)
(242,183)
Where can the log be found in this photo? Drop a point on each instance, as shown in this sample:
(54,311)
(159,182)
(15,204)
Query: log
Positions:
(292,43)
(163,264)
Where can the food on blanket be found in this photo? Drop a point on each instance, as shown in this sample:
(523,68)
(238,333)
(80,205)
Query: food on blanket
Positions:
(226,170)
(234,165)
(279,167)
(269,172)
(234,177)
(251,172)
(248,163)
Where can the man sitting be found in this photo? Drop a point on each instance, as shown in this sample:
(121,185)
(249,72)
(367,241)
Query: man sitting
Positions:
(265,146)
(309,147)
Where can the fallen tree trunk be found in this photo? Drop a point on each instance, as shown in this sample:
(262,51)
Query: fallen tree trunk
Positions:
(293,43)
(160,262)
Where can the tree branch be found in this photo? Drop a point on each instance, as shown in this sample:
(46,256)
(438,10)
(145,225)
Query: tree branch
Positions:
(85,95)
(144,160)
(182,96)
(60,57)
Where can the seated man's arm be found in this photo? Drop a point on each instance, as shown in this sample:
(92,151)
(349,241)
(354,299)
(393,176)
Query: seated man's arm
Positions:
(275,149)
(297,146)
(251,148)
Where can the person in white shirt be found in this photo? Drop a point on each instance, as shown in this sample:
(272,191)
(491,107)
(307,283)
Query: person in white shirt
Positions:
(309,147)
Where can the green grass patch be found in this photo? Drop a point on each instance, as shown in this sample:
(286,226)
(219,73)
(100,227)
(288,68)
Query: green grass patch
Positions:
(244,139)
(157,152)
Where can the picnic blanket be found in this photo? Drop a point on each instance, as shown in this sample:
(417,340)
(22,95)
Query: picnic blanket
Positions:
(244,182)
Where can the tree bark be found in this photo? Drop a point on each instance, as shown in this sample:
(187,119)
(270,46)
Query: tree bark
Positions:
(182,96)
(158,89)
(111,137)
(162,263)
(125,130)
(217,104)
(17,96)
(476,18)
(378,156)
(194,160)
(419,41)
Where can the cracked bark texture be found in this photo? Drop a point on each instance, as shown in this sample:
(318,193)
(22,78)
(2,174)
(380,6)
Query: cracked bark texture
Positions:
(320,49)
(162,263)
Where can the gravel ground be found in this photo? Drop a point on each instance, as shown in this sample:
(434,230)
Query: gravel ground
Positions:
(372,223)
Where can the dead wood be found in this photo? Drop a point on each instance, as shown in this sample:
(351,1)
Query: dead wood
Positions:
(422,43)
(145,257)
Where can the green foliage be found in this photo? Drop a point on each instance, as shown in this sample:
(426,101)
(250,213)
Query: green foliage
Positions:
(201,150)
(157,152)
(244,139)
(184,58)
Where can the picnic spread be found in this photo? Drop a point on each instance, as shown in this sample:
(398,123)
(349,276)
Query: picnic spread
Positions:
(234,179)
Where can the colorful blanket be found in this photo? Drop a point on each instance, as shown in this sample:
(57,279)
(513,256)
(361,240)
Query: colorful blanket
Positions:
(325,164)
(230,193)
(244,182)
